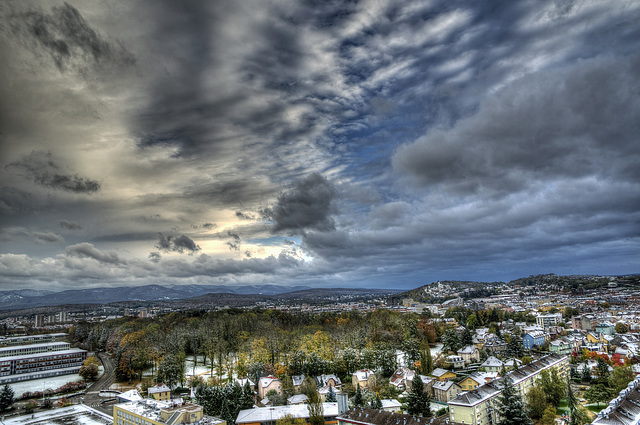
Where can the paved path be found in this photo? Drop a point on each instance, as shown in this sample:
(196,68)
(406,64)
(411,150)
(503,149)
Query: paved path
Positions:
(92,397)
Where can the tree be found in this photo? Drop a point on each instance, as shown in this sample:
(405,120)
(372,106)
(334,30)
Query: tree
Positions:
(536,402)
(376,403)
(466,338)
(6,397)
(515,347)
(578,415)
(548,416)
(30,406)
(290,420)
(89,369)
(331,396)
(451,340)
(418,400)
(621,328)
(316,412)
(169,371)
(552,385)
(426,361)
(358,400)
(246,401)
(602,369)
(276,398)
(620,378)
(586,374)
(510,406)
(598,393)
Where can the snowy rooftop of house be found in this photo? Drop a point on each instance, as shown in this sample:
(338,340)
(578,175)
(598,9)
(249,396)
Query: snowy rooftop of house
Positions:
(363,374)
(160,388)
(151,409)
(131,395)
(469,349)
(272,414)
(297,379)
(390,403)
(267,380)
(444,386)
(297,399)
(439,372)
(78,414)
(492,362)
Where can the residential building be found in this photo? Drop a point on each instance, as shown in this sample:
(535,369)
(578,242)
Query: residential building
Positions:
(478,407)
(442,374)
(457,362)
(74,414)
(328,380)
(267,384)
(364,378)
(39,321)
(297,381)
(605,328)
(159,392)
(560,347)
(546,320)
(445,391)
(492,364)
(156,412)
(391,405)
(31,339)
(297,399)
(427,382)
(585,322)
(495,346)
(400,376)
(269,415)
(470,354)
(477,379)
(533,339)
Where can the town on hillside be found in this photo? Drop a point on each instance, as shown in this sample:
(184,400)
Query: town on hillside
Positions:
(541,350)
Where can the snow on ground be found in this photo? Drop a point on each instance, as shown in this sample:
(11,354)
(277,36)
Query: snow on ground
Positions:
(52,383)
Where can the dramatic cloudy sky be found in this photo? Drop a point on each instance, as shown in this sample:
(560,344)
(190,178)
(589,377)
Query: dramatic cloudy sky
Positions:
(373,143)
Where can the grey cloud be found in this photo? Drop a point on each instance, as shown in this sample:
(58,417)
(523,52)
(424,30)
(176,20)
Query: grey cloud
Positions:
(71,42)
(154,257)
(87,250)
(244,216)
(70,225)
(47,237)
(180,244)
(43,168)
(308,205)
(235,245)
(209,226)
(568,123)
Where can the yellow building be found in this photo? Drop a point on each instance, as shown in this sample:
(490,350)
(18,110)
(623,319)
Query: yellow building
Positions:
(160,392)
(478,406)
(442,374)
(154,412)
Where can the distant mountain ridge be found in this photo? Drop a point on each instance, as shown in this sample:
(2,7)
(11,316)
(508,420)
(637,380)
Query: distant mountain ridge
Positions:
(28,298)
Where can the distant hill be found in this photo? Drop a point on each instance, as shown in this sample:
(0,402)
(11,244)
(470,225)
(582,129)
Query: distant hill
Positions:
(24,299)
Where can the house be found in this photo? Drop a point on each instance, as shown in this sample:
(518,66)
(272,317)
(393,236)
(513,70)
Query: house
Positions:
(269,415)
(442,374)
(495,345)
(297,382)
(159,392)
(457,362)
(492,364)
(427,382)
(606,328)
(561,347)
(297,399)
(470,354)
(533,339)
(363,378)
(328,380)
(513,363)
(400,376)
(267,384)
(476,379)
(324,391)
(156,412)
(445,391)
(546,320)
(391,405)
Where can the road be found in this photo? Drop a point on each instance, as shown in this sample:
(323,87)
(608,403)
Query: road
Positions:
(92,397)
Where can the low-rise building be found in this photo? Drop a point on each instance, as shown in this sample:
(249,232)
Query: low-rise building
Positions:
(269,415)
(358,416)
(156,412)
(469,354)
(442,374)
(445,391)
(269,383)
(160,392)
(363,378)
(533,339)
(41,365)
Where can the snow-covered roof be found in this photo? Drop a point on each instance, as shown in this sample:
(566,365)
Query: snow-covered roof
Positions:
(272,414)
(159,388)
(492,361)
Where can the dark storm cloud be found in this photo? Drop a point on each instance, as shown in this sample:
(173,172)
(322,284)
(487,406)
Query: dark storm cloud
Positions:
(154,257)
(14,200)
(70,41)
(235,244)
(308,205)
(44,169)
(87,250)
(567,124)
(70,225)
(179,244)
(244,216)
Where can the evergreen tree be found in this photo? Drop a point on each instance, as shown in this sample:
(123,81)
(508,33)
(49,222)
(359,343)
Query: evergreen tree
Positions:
(578,415)
(511,408)
(418,400)
(603,369)
(225,413)
(586,374)
(466,338)
(428,367)
(6,397)
(331,396)
(246,401)
(451,340)
(358,400)
(552,385)
(515,347)
(376,403)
